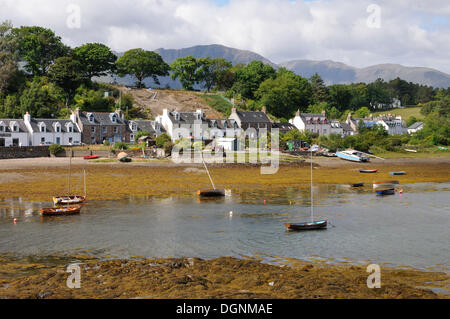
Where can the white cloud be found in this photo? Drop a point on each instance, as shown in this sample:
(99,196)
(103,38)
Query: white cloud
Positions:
(277,29)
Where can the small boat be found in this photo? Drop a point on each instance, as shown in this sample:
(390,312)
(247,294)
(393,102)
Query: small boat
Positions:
(385,191)
(357,185)
(67,200)
(368,170)
(125,159)
(319,224)
(89,157)
(211,193)
(352,155)
(60,211)
(412,151)
(397,173)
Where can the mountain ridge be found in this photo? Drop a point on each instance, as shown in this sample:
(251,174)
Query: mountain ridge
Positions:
(332,72)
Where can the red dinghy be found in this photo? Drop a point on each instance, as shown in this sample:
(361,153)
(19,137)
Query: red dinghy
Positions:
(368,170)
(89,157)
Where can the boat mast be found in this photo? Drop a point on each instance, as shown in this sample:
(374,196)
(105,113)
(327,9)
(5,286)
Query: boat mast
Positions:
(312,208)
(70,164)
(207,171)
(84,173)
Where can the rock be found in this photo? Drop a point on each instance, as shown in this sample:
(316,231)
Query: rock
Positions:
(42,295)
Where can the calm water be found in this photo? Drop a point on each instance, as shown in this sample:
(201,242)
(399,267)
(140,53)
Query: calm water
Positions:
(410,229)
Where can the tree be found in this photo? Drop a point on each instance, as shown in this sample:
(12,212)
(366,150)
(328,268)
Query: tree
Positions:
(363,112)
(8,55)
(248,79)
(213,71)
(186,69)
(142,64)
(96,59)
(66,74)
(39,47)
(340,96)
(319,90)
(285,94)
(40,99)
(162,139)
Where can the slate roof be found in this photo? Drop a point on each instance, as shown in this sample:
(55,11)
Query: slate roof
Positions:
(185,117)
(100,118)
(221,123)
(311,118)
(284,126)
(346,127)
(20,123)
(143,125)
(253,117)
(415,125)
(50,127)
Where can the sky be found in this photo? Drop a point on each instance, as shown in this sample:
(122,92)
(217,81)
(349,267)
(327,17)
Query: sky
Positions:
(358,33)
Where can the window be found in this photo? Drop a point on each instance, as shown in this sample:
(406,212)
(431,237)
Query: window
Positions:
(70,140)
(57,129)
(131,137)
(42,139)
(91,117)
(58,140)
(105,130)
(116,130)
(42,128)
(15,142)
(70,129)
(114,119)
(92,129)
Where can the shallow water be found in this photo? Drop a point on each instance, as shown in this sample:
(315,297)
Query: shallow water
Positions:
(410,229)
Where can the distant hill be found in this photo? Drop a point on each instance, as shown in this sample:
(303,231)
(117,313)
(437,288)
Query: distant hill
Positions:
(336,72)
(332,72)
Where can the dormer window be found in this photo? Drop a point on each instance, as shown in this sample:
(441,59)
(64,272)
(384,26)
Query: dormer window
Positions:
(133,126)
(2,128)
(114,118)
(69,127)
(42,127)
(57,127)
(91,117)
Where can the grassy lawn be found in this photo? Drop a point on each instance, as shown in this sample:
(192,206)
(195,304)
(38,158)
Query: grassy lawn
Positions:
(404,113)
(420,154)
(218,103)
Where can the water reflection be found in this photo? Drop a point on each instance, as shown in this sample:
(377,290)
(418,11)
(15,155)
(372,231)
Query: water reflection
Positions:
(409,229)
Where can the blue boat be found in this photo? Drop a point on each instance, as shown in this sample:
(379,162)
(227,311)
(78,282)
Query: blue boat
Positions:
(352,155)
(386,191)
(397,173)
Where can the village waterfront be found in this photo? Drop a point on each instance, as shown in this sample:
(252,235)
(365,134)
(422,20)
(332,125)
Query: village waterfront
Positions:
(198,249)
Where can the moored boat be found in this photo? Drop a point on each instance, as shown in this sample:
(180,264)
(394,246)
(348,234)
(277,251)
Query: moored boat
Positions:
(368,171)
(211,193)
(352,155)
(57,211)
(384,184)
(67,200)
(385,191)
(319,224)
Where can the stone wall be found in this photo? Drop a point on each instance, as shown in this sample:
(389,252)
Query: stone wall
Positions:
(24,152)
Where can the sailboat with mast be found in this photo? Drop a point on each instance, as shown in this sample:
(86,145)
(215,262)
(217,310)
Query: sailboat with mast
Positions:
(312,225)
(71,199)
(210,192)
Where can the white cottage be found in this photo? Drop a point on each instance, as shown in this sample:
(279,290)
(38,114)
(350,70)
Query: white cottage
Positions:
(13,133)
(315,123)
(52,131)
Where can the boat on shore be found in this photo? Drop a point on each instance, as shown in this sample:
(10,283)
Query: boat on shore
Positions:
(59,211)
(352,155)
(68,200)
(397,173)
(314,225)
(89,157)
(368,171)
(357,185)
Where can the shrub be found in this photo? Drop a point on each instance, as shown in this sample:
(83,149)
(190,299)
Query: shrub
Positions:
(162,139)
(121,146)
(168,147)
(55,149)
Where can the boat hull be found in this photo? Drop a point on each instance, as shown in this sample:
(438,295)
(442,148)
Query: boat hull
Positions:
(89,157)
(211,193)
(60,211)
(67,200)
(397,173)
(357,185)
(368,171)
(321,224)
(351,157)
(383,192)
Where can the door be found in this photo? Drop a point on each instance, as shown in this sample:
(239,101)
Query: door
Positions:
(15,142)
(58,140)
(2,142)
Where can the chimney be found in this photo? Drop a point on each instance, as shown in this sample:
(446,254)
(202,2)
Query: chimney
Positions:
(323,112)
(120,114)
(297,113)
(263,109)
(27,117)
(233,110)
(200,114)
(349,117)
